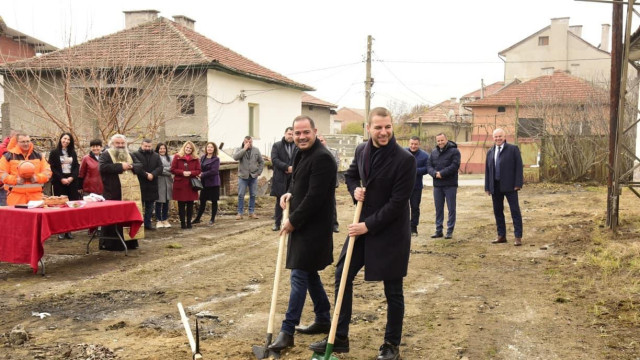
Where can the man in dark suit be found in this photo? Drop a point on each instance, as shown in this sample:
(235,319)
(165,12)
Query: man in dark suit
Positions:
(282,154)
(386,173)
(421,169)
(503,177)
(310,247)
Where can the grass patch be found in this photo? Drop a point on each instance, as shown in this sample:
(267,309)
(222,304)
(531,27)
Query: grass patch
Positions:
(174,246)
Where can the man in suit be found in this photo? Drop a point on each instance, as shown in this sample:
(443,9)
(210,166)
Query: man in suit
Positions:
(310,247)
(385,172)
(421,169)
(282,154)
(503,177)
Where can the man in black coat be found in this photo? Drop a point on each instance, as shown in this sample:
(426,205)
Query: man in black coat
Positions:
(282,154)
(503,177)
(310,247)
(385,172)
(148,177)
(443,165)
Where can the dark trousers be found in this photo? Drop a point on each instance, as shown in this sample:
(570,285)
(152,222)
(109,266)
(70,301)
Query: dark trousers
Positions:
(148,212)
(335,213)
(209,193)
(185,216)
(278,212)
(392,291)
(70,190)
(162,211)
(498,210)
(440,195)
(414,202)
(301,282)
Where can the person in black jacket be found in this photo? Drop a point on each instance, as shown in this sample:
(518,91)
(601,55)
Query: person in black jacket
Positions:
(310,247)
(148,177)
(382,174)
(65,167)
(503,177)
(443,165)
(282,154)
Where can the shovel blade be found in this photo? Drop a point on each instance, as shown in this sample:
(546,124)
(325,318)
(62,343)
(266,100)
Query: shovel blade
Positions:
(263,352)
(327,355)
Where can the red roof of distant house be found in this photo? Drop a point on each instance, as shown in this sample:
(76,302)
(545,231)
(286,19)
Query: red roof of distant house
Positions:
(445,111)
(488,90)
(346,114)
(156,43)
(558,88)
(312,100)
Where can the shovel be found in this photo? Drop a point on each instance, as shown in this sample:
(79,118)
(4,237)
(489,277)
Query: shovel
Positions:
(195,345)
(328,352)
(263,352)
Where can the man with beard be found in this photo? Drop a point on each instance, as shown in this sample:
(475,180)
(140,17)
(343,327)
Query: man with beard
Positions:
(282,154)
(310,247)
(148,178)
(385,172)
(118,170)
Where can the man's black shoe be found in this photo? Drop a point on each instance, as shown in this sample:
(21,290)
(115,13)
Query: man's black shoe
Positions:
(150,228)
(414,232)
(196,221)
(336,228)
(449,236)
(275,228)
(340,345)
(282,342)
(388,352)
(68,235)
(437,235)
(314,328)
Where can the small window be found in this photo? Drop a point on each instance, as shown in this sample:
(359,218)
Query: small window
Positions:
(254,120)
(548,71)
(501,109)
(543,40)
(187,104)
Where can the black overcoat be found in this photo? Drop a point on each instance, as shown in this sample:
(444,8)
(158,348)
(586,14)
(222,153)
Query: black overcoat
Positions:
(152,164)
(281,161)
(511,172)
(312,191)
(388,180)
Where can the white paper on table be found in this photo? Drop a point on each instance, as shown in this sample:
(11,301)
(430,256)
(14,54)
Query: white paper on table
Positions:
(35,204)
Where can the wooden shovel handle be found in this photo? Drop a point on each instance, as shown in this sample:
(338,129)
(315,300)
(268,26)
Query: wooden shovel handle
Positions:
(343,278)
(276,277)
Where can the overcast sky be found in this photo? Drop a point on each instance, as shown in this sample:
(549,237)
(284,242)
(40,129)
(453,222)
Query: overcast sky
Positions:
(424,51)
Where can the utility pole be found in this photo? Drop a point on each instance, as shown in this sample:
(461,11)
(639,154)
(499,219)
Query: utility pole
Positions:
(614,101)
(368,83)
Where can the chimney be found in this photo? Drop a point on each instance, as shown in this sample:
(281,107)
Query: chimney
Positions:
(137,17)
(185,21)
(604,41)
(576,30)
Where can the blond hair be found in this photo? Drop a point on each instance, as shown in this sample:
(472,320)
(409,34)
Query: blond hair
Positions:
(193,153)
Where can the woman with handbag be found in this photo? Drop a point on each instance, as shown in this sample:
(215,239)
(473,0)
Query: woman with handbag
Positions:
(165,187)
(186,167)
(210,165)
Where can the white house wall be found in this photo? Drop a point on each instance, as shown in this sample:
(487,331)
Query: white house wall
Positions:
(228,114)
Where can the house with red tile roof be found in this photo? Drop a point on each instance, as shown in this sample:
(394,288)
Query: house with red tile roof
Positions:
(556,105)
(345,116)
(156,78)
(322,112)
(447,117)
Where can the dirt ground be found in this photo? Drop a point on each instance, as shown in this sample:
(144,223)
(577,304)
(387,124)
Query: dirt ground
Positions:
(571,292)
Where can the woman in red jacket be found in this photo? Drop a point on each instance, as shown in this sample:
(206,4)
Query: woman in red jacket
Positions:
(185,165)
(89,169)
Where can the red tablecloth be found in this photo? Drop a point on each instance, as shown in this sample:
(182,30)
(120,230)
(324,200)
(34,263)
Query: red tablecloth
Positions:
(24,231)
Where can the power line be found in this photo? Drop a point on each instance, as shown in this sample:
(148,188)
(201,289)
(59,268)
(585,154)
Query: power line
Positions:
(325,68)
(457,62)
(403,84)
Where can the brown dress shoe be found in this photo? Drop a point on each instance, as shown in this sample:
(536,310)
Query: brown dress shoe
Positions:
(500,240)
(517,242)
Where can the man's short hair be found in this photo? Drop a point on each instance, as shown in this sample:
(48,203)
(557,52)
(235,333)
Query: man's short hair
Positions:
(415,138)
(95,142)
(289,128)
(379,111)
(20,133)
(304,117)
(442,134)
(145,140)
(247,137)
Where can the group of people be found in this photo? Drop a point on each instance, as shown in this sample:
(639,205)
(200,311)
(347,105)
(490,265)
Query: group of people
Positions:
(151,177)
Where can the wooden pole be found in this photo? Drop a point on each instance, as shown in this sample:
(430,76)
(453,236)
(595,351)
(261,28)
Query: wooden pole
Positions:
(367,86)
(614,101)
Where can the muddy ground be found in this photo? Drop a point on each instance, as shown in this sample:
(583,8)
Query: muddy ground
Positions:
(570,292)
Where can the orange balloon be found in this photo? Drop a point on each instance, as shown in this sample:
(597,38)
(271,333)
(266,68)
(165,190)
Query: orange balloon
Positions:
(26,170)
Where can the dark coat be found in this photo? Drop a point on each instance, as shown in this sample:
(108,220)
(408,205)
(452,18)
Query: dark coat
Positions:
(56,177)
(182,190)
(210,167)
(109,173)
(389,183)
(511,173)
(421,167)
(151,164)
(312,197)
(281,161)
(447,162)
